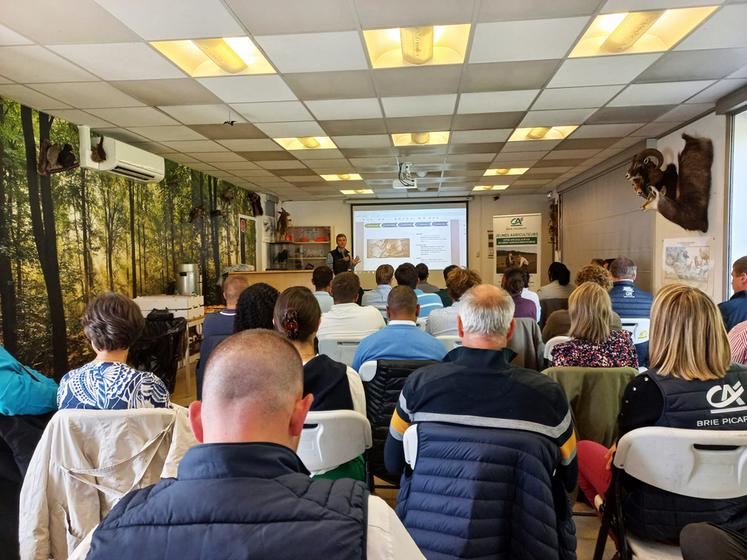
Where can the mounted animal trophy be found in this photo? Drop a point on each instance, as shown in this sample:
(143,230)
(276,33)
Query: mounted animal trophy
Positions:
(682,198)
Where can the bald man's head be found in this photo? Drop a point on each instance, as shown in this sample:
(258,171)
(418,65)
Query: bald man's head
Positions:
(486,310)
(232,288)
(256,367)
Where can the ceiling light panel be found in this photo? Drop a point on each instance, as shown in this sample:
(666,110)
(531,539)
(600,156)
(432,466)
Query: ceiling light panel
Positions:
(306,143)
(342,177)
(357,191)
(499,171)
(222,56)
(541,133)
(479,188)
(639,32)
(420,138)
(417,46)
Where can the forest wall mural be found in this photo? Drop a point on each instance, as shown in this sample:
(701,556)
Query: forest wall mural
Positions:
(66,237)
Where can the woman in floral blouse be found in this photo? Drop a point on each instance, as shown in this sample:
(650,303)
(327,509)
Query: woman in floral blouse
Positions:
(593,343)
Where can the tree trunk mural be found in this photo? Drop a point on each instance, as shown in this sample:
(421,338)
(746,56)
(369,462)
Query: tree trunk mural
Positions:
(8,302)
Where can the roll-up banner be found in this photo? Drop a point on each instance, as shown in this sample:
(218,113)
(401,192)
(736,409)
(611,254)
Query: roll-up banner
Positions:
(517,242)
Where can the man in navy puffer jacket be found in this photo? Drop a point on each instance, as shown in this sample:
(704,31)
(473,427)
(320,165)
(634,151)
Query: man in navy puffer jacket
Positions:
(243,493)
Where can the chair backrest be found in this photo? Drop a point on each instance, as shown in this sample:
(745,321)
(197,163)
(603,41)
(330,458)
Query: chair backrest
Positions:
(331,438)
(340,349)
(708,464)
(422,323)
(450,341)
(474,492)
(594,395)
(549,305)
(85,462)
(550,344)
(159,348)
(382,390)
(638,329)
(528,345)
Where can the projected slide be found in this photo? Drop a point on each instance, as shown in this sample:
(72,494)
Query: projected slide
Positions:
(433,234)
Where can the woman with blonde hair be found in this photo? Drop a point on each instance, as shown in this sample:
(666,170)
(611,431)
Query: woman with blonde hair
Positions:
(593,343)
(691,371)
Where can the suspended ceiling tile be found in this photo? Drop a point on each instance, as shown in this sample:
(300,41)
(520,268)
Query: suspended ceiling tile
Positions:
(266,17)
(586,143)
(706,64)
(502,76)
(530,146)
(363,141)
(571,154)
(424,80)
(605,130)
(717,91)
(195,146)
(32,64)
(602,70)
(273,111)
(687,111)
(291,129)
(613,6)
(164,133)
(665,93)
(252,145)
(213,114)
(224,131)
(575,97)
(351,84)
(402,125)
(559,117)
(163,19)
(134,116)
(178,91)
(476,136)
(249,89)
(281,164)
(741,73)
(409,13)
(496,101)
(30,98)
(315,52)
(654,129)
(237,165)
(618,115)
(483,147)
(518,40)
(502,11)
(344,109)
(317,154)
(354,127)
(142,62)
(417,106)
(88,95)
(368,152)
(10,37)
(478,121)
(262,153)
(76,116)
(724,29)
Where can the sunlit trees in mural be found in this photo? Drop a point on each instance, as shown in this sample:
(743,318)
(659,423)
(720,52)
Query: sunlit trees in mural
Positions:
(68,237)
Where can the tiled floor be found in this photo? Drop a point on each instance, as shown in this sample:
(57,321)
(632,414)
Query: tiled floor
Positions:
(587,527)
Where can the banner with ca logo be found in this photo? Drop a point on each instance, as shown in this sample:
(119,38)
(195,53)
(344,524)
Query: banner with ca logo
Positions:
(517,242)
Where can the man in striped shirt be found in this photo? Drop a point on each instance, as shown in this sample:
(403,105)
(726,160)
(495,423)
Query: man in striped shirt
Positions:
(407,275)
(476,385)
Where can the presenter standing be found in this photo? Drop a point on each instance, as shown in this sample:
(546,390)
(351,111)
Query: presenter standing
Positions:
(339,259)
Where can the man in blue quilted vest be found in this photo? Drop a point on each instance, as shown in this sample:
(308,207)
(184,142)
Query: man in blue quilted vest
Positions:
(244,493)
(628,300)
(476,385)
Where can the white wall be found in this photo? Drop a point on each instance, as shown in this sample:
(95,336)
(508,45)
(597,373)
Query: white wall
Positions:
(714,127)
(739,190)
(481,210)
(602,218)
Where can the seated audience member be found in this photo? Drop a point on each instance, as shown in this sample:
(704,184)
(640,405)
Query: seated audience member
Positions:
(423,285)
(598,262)
(477,385)
(706,541)
(735,309)
(347,318)
(254,308)
(526,293)
(219,325)
(322,278)
(23,390)
(559,322)
(690,360)
(513,283)
(334,385)
(559,286)
(378,296)
(243,492)
(607,264)
(628,301)
(407,275)
(401,339)
(593,344)
(112,322)
(443,293)
(443,322)
(738,343)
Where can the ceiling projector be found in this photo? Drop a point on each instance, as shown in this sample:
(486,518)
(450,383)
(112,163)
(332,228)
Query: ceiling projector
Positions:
(404,179)
(409,184)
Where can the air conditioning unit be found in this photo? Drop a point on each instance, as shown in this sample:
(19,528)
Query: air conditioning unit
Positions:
(121,159)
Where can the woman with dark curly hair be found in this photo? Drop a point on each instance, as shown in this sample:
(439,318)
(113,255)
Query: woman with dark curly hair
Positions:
(112,322)
(334,385)
(254,309)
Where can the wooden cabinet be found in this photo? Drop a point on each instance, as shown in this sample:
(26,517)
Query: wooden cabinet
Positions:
(304,248)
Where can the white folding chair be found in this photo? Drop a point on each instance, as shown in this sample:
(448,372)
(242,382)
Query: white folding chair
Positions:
(422,323)
(638,329)
(550,344)
(450,341)
(410,445)
(707,464)
(332,438)
(367,371)
(340,349)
